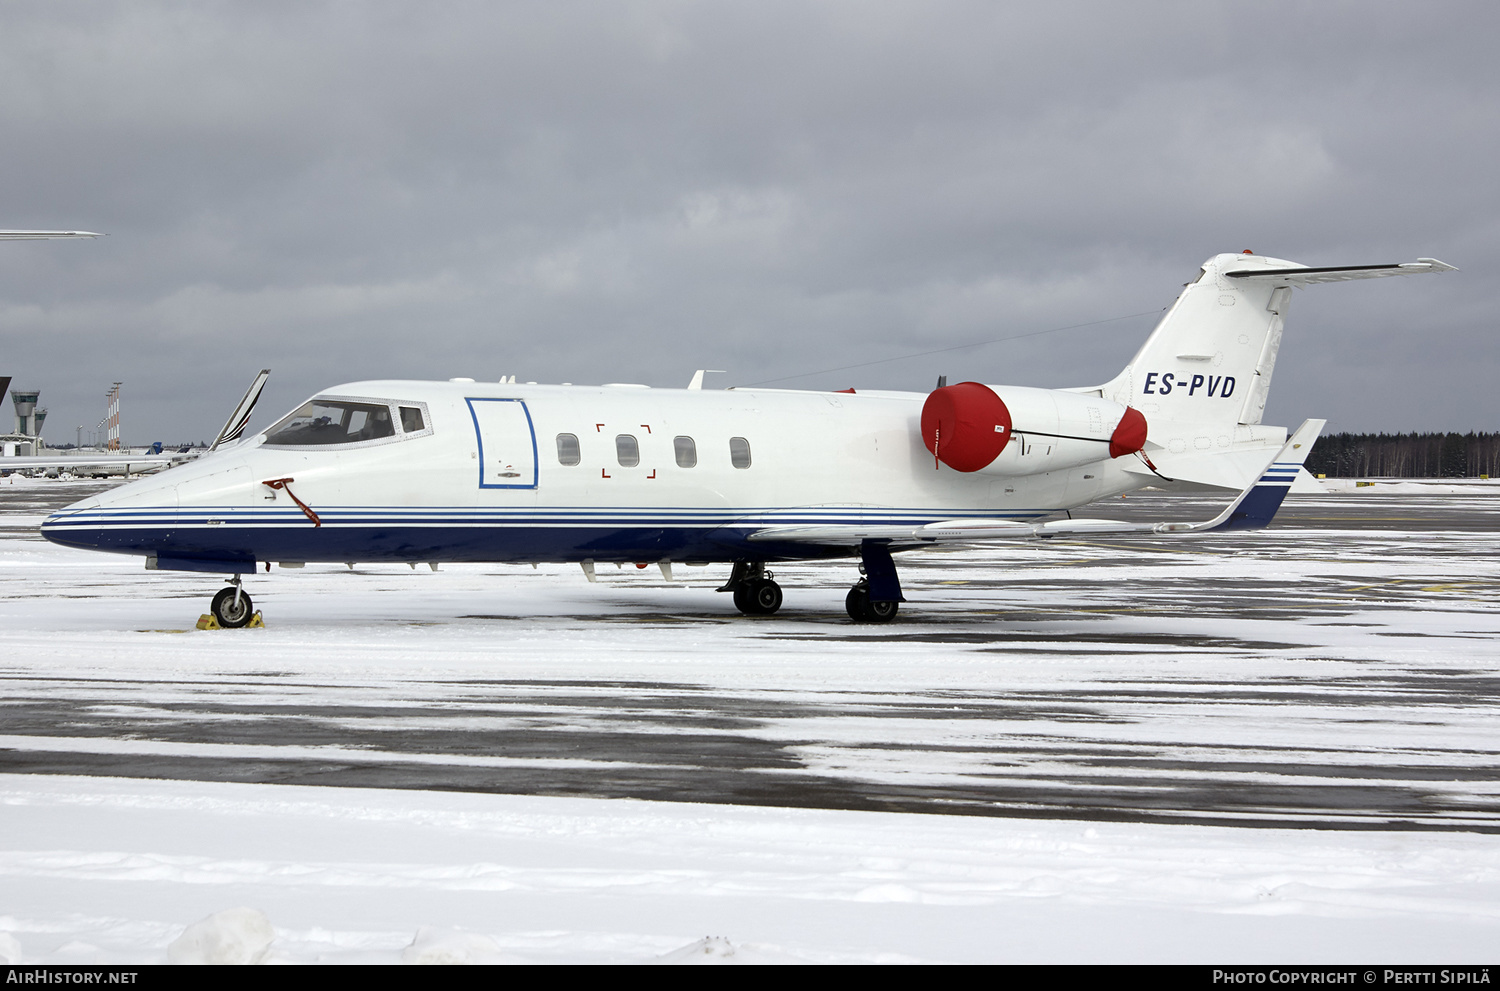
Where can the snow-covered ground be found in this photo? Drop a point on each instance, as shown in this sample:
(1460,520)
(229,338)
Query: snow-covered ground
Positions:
(501,763)
(113,870)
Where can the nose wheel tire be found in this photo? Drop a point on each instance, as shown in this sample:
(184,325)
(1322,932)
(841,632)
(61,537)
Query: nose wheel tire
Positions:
(229,613)
(857,603)
(758,598)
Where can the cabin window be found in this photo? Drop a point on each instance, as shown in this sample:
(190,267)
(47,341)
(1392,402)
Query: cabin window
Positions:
(567,450)
(739,452)
(687,452)
(627,451)
(411,419)
(333,421)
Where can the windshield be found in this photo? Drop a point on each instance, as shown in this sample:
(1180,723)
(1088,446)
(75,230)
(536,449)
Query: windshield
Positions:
(333,421)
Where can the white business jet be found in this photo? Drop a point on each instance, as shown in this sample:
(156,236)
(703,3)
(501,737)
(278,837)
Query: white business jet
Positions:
(415,472)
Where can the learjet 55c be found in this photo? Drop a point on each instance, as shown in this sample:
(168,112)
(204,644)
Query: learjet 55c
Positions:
(413,472)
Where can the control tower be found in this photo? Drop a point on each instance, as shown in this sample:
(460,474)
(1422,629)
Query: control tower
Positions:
(25,411)
(26,439)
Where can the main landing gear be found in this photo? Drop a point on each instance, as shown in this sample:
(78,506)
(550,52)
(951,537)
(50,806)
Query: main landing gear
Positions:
(862,609)
(876,597)
(755,593)
(232,607)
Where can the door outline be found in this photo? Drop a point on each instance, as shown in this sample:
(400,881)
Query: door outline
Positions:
(536,464)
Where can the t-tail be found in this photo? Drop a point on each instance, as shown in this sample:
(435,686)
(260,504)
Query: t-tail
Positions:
(1203,376)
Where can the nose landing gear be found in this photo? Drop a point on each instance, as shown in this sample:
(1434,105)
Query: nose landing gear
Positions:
(232,607)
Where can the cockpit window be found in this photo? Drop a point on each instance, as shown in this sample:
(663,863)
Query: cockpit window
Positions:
(333,421)
(411,419)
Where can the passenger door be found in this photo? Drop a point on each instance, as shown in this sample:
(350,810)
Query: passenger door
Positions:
(507,443)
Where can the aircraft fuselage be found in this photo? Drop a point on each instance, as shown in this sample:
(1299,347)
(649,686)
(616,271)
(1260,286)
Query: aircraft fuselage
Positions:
(531,473)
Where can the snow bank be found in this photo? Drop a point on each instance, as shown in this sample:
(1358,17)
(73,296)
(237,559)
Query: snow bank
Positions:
(445,946)
(1408,486)
(234,936)
(717,950)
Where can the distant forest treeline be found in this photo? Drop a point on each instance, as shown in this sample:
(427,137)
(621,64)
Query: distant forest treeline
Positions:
(1406,455)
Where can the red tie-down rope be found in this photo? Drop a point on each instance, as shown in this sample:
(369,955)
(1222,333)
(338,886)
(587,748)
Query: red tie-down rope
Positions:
(282,483)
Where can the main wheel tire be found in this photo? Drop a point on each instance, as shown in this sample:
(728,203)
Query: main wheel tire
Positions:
(230,615)
(765,597)
(860,609)
(857,602)
(742,600)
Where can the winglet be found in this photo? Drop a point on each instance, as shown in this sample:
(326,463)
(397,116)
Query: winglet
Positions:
(1257,505)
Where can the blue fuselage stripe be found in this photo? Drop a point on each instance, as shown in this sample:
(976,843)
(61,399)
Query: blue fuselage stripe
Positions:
(440,543)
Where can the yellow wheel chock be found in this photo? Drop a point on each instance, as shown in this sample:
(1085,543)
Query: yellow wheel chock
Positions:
(208,622)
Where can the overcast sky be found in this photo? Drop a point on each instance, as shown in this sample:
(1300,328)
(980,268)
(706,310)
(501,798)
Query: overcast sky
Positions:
(592,192)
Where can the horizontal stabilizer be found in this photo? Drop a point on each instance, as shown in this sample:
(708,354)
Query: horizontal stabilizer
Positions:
(1302,276)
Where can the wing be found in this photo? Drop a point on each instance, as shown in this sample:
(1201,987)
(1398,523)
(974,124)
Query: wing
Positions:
(43,235)
(87,461)
(1255,507)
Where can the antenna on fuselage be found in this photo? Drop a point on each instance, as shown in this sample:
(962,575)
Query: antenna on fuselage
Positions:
(240,418)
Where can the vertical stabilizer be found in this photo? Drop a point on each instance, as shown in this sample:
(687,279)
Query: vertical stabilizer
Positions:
(1209,361)
(1210,358)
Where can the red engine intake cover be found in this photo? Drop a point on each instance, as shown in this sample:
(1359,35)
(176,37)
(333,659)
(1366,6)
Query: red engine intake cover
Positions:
(1130,435)
(965,426)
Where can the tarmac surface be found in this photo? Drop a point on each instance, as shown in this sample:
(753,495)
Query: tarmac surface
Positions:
(1341,670)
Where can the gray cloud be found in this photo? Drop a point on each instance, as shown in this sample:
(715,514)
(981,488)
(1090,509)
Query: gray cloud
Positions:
(599,191)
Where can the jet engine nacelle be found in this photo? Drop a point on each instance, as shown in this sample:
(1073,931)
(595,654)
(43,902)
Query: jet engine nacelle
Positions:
(1009,430)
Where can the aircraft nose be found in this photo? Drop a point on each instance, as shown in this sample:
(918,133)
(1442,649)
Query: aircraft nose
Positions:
(133,519)
(74,526)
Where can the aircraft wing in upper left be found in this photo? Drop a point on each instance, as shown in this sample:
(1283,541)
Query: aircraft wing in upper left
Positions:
(43,235)
(95,461)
